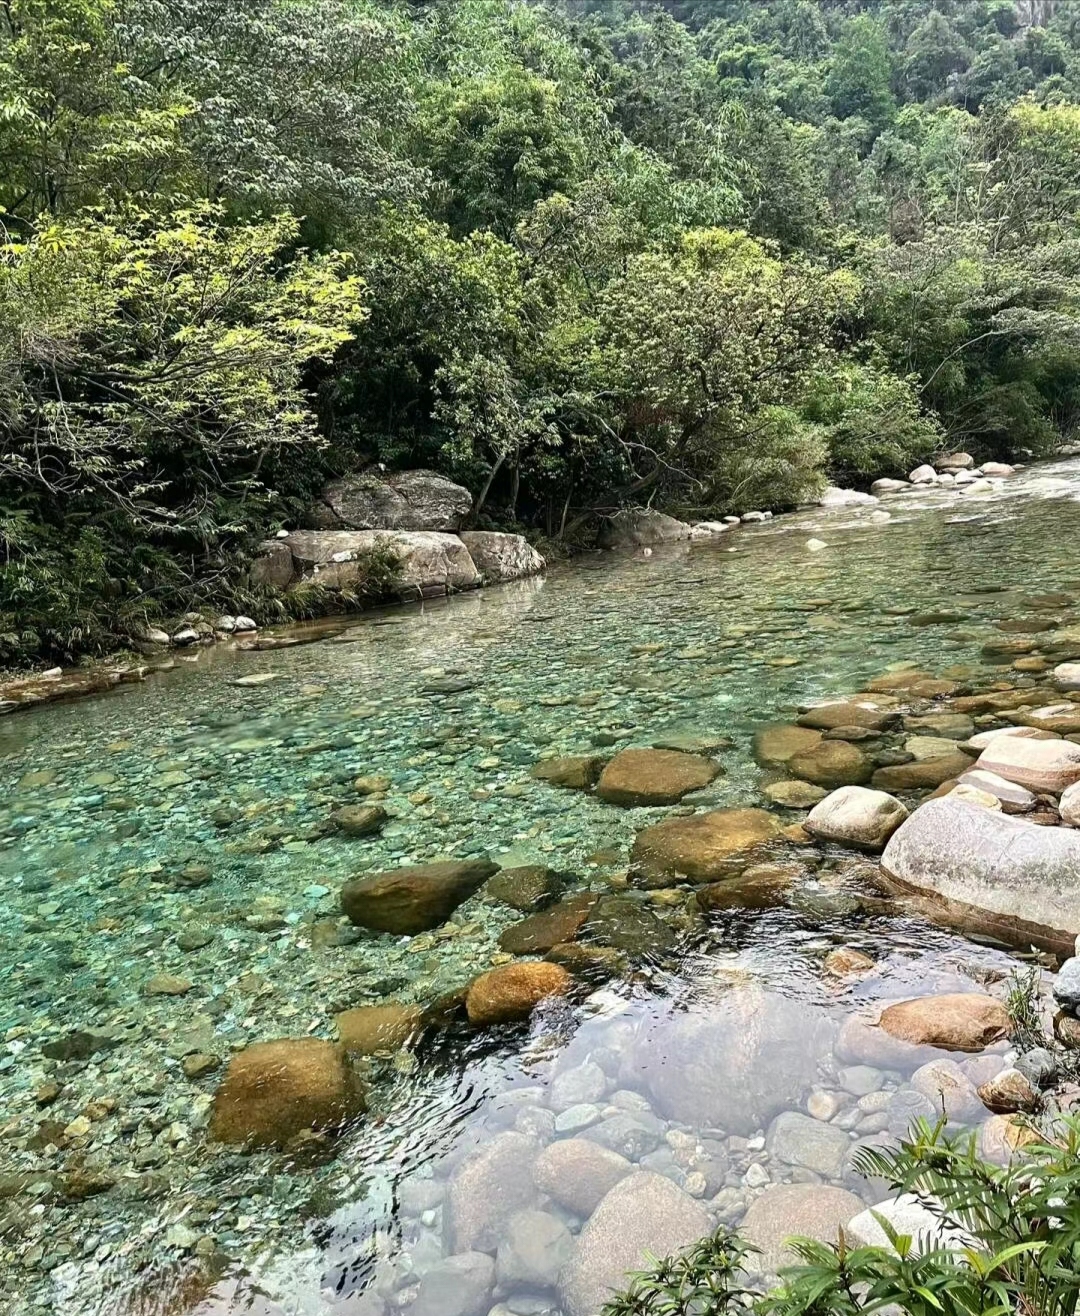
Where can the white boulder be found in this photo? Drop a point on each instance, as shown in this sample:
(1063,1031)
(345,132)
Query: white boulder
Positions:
(1040,765)
(857,816)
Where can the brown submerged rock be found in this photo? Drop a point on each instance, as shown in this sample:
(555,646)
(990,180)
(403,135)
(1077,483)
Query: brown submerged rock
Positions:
(578,772)
(371,1028)
(359,819)
(758,887)
(845,713)
(704,847)
(540,932)
(832,763)
(643,777)
(510,992)
(774,746)
(963,1021)
(405,901)
(273,1091)
(529,888)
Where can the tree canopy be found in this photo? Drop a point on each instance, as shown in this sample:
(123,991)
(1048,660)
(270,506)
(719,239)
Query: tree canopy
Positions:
(573,253)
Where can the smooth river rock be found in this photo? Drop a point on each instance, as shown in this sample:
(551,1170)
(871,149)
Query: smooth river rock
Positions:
(704,847)
(1010,877)
(795,1211)
(832,763)
(856,816)
(1040,765)
(577,1173)
(487,1190)
(642,777)
(273,1091)
(958,1021)
(410,900)
(643,1215)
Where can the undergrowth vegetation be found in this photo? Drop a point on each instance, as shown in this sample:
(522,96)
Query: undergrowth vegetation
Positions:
(1006,1242)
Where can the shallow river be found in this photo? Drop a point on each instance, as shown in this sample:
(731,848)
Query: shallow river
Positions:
(176,828)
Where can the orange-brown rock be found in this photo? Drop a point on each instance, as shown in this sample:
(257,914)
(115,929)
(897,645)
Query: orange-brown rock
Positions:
(704,847)
(757,887)
(964,1021)
(371,1028)
(410,900)
(775,745)
(642,777)
(832,763)
(273,1091)
(511,992)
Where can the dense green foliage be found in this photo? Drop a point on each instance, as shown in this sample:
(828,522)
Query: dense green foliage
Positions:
(1009,1243)
(574,253)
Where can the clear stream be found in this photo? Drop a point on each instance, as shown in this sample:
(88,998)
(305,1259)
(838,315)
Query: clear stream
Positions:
(175,828)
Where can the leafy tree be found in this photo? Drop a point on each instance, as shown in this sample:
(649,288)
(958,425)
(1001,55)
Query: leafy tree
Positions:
(859,77)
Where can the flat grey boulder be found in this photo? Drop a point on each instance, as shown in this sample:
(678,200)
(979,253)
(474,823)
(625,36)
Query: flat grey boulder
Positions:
(458,1286)
(641,527)
(799,1140)
(1012,878)
(643,1216)
(500,557)
(735,1063)
(402,500)
(274,567)
(428,563)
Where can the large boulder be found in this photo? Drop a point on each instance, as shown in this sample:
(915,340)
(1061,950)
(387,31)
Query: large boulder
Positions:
(795,1211)
(578,1173)
(427,563)
(907,1215)
(959,1021)
(637,777)
(500,557)
(848,713)
(856,816)
(404,500)
(1007,876)
(274,568)
(641,527)
(834,496)
(273,1091)
(642,1217)
(1040,765)
(410,900)
(368,1029)
(704,847)
(734,1064)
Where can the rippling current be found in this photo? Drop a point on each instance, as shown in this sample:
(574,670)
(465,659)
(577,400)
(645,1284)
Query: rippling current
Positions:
(174,830)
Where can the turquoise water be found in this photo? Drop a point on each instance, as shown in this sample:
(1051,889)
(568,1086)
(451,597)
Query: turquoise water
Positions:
(178,828)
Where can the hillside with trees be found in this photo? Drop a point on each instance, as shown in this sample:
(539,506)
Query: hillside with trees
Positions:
(576,255)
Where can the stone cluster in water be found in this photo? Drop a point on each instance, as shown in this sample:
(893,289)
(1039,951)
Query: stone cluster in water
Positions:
(172,884)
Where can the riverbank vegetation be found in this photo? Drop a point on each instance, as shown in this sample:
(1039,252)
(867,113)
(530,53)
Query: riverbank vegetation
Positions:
(995,1240)
(574,254)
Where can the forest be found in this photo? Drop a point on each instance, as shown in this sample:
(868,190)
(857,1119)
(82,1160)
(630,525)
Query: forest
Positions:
(575,254)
